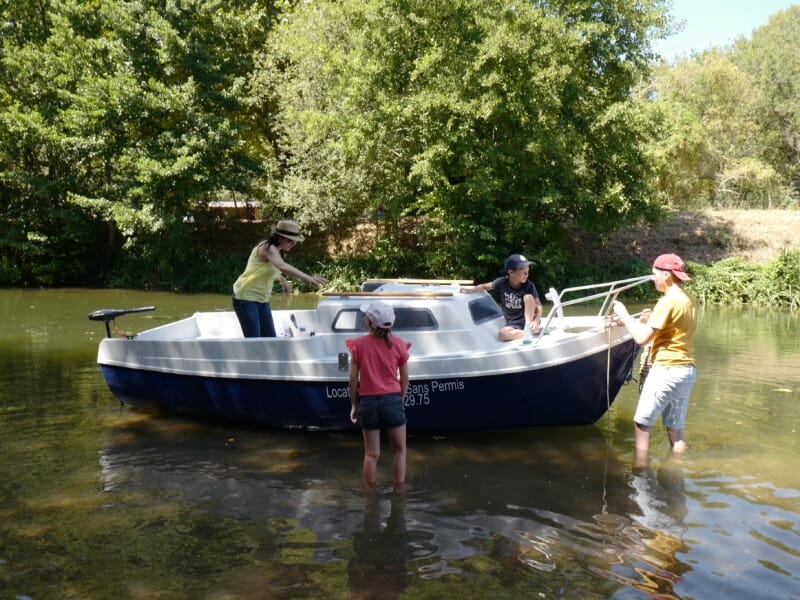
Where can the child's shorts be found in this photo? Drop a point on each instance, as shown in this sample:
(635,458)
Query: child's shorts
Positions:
(385,411)
(666,392)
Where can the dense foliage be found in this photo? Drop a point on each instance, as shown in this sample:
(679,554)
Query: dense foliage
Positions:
(734,281)
(117,120)
(730,122)
(495,121)
(472,128)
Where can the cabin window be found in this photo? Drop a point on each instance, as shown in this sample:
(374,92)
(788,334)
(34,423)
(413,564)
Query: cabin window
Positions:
(406,318)
(414,318)
(484,309)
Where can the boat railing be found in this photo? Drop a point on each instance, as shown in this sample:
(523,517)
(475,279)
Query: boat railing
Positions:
(610,291)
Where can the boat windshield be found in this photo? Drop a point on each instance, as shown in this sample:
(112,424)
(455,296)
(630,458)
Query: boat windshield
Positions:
(484,309)
(406,318)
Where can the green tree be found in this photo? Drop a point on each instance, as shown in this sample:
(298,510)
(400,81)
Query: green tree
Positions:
(496,122)
(708,151)
(135,114)
(730,122)
(772,59)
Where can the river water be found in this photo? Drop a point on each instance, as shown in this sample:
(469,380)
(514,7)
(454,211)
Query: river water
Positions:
(103,501)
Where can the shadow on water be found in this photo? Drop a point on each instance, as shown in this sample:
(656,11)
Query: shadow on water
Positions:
(516,511)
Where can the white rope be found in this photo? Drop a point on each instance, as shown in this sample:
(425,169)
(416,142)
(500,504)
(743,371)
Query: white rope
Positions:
(604,509)
(608,370)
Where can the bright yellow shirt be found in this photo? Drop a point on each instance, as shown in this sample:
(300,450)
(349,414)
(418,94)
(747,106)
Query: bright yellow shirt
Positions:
(674,319)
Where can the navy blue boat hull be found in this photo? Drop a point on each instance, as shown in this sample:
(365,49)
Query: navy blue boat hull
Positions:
(573,393)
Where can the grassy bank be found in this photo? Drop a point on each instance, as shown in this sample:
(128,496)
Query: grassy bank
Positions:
(734,281)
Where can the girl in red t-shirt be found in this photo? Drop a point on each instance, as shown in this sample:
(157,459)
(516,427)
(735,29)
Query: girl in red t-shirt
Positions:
(376,393)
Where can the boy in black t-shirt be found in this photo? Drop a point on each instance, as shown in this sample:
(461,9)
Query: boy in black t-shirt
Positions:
(519,299)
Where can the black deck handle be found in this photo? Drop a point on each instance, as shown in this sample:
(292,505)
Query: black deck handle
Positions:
(109,314)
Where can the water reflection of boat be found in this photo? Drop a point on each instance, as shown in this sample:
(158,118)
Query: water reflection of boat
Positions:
(524,504)
(202,367)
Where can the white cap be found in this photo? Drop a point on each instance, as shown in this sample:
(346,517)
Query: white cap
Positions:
(380,313)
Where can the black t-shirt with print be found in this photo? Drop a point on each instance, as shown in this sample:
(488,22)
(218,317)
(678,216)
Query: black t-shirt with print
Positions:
(511,300)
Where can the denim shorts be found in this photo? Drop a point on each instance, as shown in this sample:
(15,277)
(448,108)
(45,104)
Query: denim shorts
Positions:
(385,411)
(666,392)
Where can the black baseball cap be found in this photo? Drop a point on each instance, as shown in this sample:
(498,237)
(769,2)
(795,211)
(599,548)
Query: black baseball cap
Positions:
(517,261)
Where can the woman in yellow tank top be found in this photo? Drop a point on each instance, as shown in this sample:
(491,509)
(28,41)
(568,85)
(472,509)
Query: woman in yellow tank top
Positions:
(253,288)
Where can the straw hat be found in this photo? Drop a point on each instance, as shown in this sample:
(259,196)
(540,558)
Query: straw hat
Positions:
(289,230)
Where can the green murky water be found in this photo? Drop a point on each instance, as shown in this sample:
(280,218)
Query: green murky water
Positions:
(100,501)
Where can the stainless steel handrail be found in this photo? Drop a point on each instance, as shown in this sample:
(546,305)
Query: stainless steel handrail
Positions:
(612,290)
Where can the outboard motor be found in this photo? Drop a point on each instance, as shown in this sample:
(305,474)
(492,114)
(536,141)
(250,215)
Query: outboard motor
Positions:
(110,314)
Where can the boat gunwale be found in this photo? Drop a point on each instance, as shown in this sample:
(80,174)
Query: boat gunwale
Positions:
(305,377)
(600,342)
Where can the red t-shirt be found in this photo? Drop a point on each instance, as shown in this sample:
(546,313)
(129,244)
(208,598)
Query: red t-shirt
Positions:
(378,364)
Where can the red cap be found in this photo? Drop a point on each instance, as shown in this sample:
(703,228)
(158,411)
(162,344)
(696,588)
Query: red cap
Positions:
(672,263)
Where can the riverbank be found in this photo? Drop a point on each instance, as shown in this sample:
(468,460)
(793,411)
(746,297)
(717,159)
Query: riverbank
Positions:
(704,237)
(699,236)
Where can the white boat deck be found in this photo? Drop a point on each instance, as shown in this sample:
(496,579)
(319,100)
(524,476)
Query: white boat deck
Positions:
(452,335)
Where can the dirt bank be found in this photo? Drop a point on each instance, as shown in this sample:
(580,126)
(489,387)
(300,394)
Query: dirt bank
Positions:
(704,237)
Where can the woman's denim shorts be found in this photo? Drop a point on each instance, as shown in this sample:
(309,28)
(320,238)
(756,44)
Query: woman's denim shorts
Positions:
(385,411)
